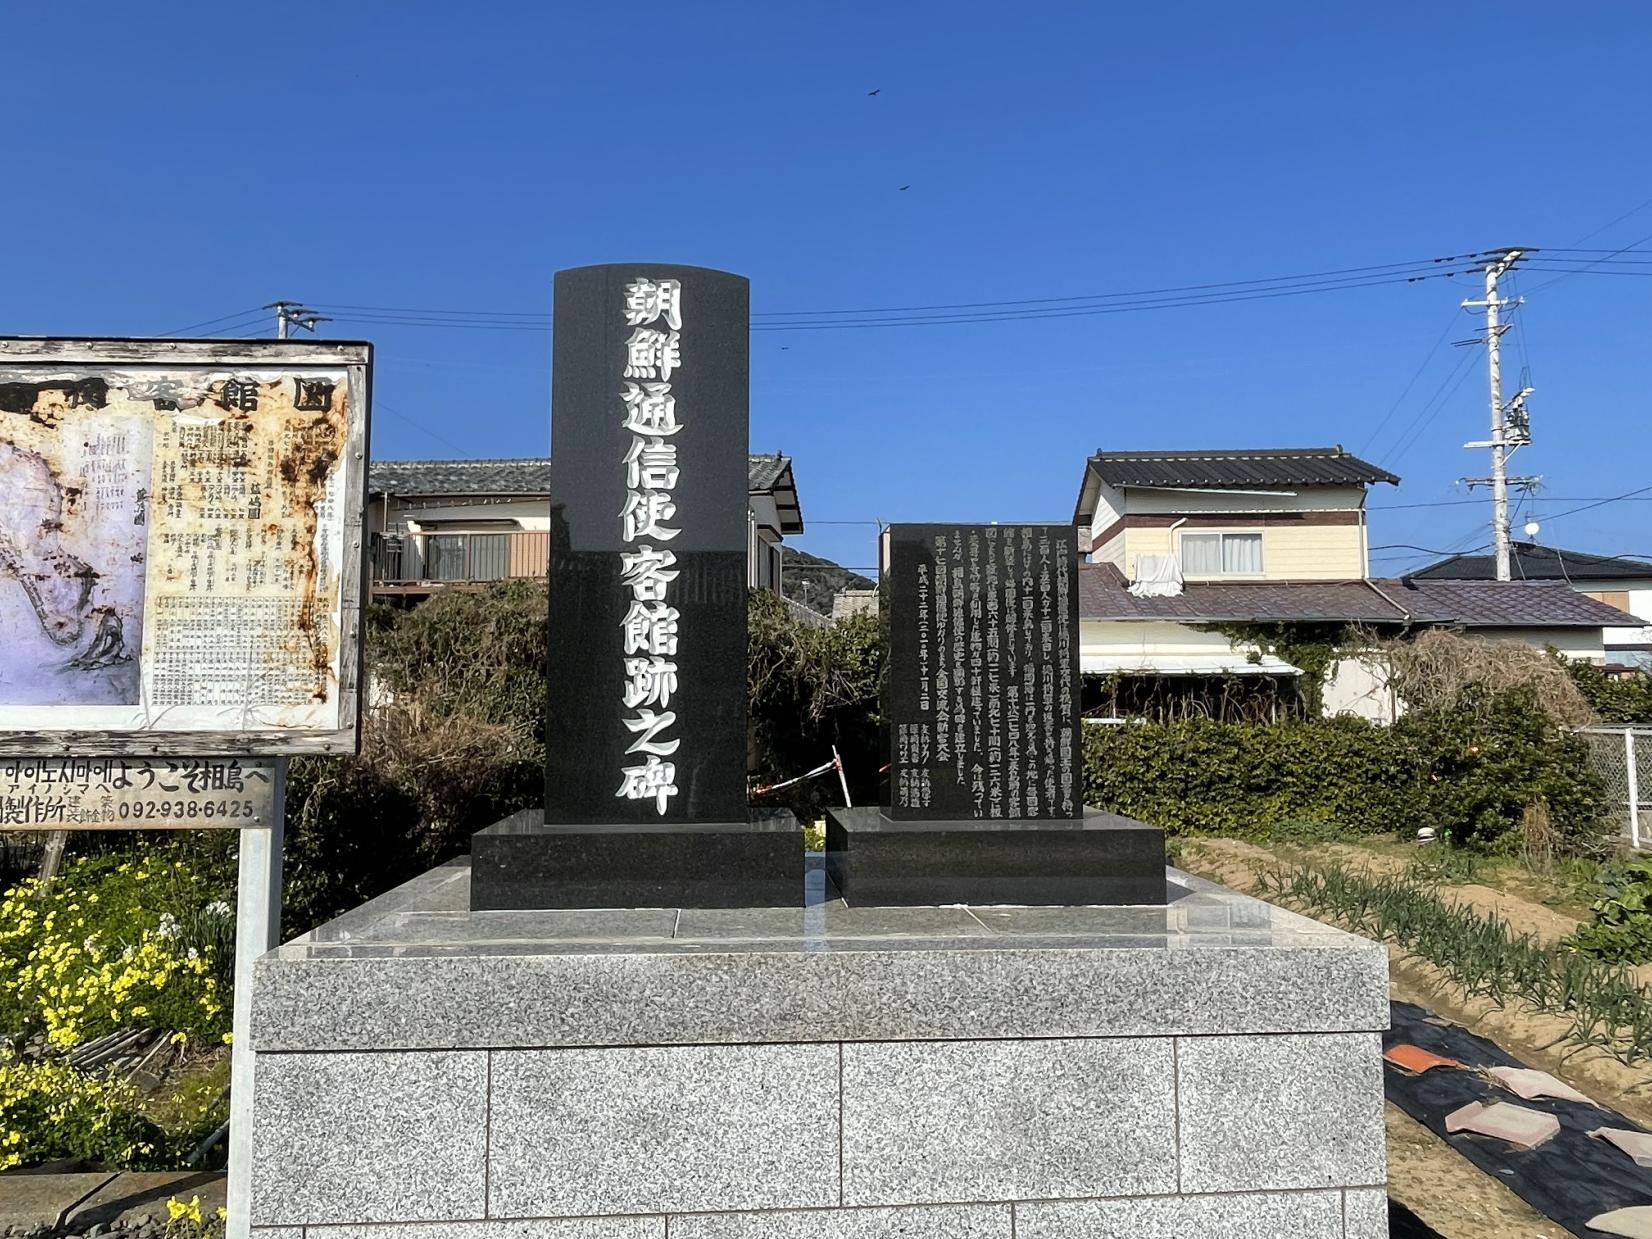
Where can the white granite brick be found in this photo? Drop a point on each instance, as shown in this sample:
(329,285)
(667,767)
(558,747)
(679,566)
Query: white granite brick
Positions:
(955,1121)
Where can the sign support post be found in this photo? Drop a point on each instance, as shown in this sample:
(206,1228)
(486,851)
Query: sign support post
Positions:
(257,930)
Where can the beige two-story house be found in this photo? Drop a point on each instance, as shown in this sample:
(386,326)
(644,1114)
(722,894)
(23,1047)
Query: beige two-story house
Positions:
(1282,514)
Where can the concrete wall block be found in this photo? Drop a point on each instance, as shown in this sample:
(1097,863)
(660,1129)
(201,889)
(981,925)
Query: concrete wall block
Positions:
(662,1130)
(941,1222)
(1007,1120)
(539,1228)
(1273,1112)
(1365,1213)
(368,1137)
(1286,1215)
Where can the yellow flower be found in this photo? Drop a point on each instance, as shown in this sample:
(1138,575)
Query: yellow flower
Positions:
(181,1210)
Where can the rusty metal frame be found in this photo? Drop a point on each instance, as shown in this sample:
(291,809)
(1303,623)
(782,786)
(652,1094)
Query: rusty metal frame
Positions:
(356,359)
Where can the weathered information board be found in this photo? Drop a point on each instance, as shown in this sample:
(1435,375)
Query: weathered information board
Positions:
(180,546)
(120,793)
(982,695)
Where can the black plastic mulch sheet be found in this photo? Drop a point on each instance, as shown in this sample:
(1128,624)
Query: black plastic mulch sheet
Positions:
(1570,1179)
(1404,1224)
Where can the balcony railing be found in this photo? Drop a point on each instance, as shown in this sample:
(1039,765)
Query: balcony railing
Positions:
(408,561)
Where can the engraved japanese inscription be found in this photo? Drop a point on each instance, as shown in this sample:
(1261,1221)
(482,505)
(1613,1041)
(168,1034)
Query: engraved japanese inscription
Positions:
(646,668)
(982,697)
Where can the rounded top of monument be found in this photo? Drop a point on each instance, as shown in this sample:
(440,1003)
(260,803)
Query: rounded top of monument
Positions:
(649,267)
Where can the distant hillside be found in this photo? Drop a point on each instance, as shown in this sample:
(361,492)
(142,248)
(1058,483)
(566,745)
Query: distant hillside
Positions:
(824,577)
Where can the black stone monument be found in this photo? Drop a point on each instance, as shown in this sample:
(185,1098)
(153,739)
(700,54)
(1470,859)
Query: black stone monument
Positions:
(985,794)
(645,780)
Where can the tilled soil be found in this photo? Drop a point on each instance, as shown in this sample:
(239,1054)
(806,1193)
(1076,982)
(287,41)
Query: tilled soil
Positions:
(1440,1186)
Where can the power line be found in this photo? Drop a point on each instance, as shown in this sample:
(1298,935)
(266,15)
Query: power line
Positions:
(1599,503)
(390,309)
(1427,550)
(966,311)
(1089,310)
(1591,268)
(1413,432)
(950,319)
(178,331)
(1456,503)
(400,416)
(1412,382)
(1634,210)
(1390,268)
(1419,265)
(1031,309)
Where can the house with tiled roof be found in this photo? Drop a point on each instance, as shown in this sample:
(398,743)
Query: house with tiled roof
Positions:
(1184,549)
(1617,580)
(440,524)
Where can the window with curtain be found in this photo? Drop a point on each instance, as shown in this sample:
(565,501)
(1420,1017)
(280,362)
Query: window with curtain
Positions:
(1201,554)
(1221,554)
(1242,553)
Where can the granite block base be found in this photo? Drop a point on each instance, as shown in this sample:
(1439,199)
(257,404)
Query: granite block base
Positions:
(523,863)
(1100,858)
(1206,1066)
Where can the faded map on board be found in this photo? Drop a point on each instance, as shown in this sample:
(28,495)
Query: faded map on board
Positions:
(170,549)
(73,534)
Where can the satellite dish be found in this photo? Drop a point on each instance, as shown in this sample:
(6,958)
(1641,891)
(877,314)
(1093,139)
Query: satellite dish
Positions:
(1531,529)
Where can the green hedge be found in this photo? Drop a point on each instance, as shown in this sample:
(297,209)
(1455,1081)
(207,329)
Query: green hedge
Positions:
(1469,772)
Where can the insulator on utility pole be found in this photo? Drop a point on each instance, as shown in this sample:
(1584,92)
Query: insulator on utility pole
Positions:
(289,314)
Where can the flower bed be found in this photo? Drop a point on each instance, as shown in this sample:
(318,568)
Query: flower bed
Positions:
(140,942)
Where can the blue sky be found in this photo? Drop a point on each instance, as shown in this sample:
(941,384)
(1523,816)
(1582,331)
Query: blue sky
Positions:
(172,164)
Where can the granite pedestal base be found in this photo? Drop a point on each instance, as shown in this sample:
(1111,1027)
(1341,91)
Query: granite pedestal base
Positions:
(1206,1067)
(1100,858)
(523,863)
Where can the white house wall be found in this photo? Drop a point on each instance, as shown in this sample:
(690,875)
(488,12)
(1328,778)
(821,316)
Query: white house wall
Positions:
(1581,643)
(1359,687)
(1301,499)
(1640,605)
(455,514)
(1109,507)
(1147,639)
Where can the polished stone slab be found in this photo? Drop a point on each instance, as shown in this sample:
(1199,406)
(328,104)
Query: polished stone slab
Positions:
(834,920)
(1287,1111)
(525,862)
(931,1122)
(1210,961)
(678,1129)
(369,1137)
(1099,858)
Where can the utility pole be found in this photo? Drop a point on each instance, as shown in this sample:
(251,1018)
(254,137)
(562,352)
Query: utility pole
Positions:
(1503,416)
(289,314)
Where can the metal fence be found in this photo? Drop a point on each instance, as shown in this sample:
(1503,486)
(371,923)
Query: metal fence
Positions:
(1622,756)
(459,558)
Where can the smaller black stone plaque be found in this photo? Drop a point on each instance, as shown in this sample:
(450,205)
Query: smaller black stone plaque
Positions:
(985,802)
(982,695)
